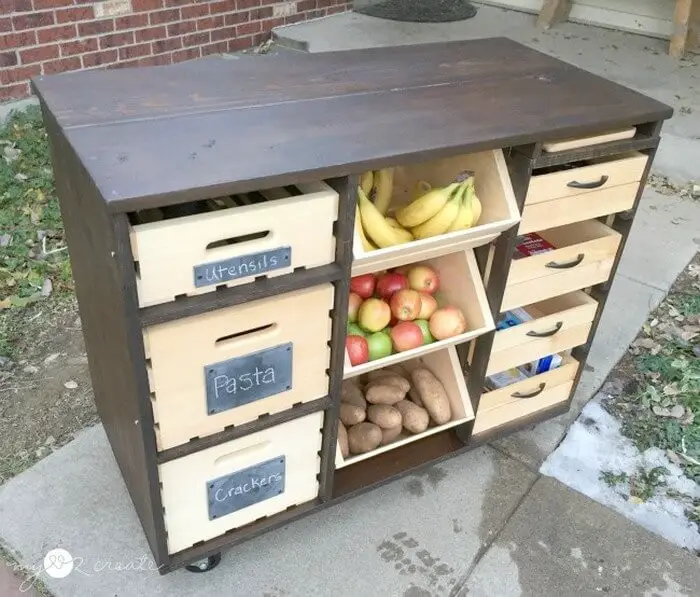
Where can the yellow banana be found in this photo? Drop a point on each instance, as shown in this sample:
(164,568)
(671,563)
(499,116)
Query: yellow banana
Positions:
(383,189)
(476,209)
(376,227)
(465,215)
(366,244)
(403,233)
(425,207)
(366,182)
(441,221)
(420,189)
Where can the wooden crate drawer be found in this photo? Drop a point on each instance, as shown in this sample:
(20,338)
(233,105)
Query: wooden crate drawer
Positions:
(444,364)
(493,187)
(583,257)
(557,324)
(242,238)
(230,366)
(211,492)
(523,398)
(579,142)
(602,173)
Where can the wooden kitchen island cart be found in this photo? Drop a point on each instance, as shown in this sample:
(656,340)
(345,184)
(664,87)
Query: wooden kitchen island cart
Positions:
(210,211)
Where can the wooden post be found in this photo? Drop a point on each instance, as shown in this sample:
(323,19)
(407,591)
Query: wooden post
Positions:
(553,12)
(686,28)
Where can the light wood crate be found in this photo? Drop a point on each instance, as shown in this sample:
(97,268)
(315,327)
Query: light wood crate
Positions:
(589,247)
(181,351)
(460,286)
(186,482)
(172,257)
(445,366)
(493,187)
(579,142)
(557,324)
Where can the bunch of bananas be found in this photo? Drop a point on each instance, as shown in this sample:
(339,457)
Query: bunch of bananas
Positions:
(431,213)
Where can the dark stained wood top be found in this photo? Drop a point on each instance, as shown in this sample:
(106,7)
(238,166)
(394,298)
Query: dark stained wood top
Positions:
(162,135)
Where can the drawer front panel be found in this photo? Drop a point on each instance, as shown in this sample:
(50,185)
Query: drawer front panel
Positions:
(213,491)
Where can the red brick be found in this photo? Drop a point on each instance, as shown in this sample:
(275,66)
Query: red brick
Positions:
(167,45)
(223,33)
(259,38)
(269,24)
(99,58)
(5,24)
(261,13)
(151,33)
(222,6)
(116,39)
(248,28)
(159,60)
(77,13)
(165,16)
(39,54)
(335,10)
(79,47)
(240,4)
(210,23)
(10,6)
(181,28)
(305,5)
(95,27)
(236,17)
(220,47)
(8,59)
(57,33)
(134,51)
(19,74)
(131,21)
(194,11)
(177,2)
(33,20)
(62,65)
(239,44)
(48,4)
(12,41)
(294,19)
(14,91)
(126,64)
(146,5)
(196,39)
(186,54)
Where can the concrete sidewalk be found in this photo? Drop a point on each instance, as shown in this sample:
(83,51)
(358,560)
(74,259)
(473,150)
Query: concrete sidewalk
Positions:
(484,523)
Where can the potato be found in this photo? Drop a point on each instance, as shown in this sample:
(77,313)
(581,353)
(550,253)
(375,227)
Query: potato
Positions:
(351,414)
(415,396)
(350,393)
(384,394)
(343,440)
(377,374)
(433,395)
(415,419)
(392,379)
(364,437)
(389,435)
(384,415)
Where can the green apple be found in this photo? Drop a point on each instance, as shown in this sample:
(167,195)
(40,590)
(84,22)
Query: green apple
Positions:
(355,330)
(425,328)
(379,345)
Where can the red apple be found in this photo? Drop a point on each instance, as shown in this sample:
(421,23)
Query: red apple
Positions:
(389,283)
(358,349)
(405,305)
(363,285)
(374,315)
(423,278)
(447,322)
(428,305)
(354,303)
(406,335)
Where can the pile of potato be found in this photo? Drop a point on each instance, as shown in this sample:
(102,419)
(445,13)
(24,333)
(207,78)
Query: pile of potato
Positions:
(378,409)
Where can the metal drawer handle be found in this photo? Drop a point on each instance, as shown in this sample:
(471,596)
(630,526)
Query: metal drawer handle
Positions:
(575,184)
(532,394)
(548,333)
(566,264)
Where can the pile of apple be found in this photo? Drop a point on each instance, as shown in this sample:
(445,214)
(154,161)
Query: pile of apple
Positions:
(395,311)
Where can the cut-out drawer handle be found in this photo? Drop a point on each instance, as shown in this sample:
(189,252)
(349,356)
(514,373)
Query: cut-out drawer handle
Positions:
(532,394)
(226,459)
(566,264)
(596,184)
(548,333)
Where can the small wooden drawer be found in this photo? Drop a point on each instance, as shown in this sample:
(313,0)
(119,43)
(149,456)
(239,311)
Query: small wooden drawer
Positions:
(557,324)
(583,257)
(526,397)
(233,365)
(589,177)
(579,142)
(445,366)
(493,187)
(211,492)
(232,241)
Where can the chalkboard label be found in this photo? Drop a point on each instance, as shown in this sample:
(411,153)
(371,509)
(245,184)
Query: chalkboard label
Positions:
(241,489)
(248,378)
(253,264)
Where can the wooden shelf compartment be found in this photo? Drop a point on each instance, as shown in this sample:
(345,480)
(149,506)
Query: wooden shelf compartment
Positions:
(557,324)
(461,286)
(493,187)
(233,365)
(583,256)
(579,142)
(228,241)
(446,367)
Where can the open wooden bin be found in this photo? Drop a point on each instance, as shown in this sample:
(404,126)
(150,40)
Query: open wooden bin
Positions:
(493,187)
(444,364)
(460,286)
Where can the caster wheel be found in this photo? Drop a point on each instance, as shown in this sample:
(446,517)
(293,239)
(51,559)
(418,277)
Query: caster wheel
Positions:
(206,564)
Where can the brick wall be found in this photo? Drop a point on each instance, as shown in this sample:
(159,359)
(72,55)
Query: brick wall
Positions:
(52,36)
